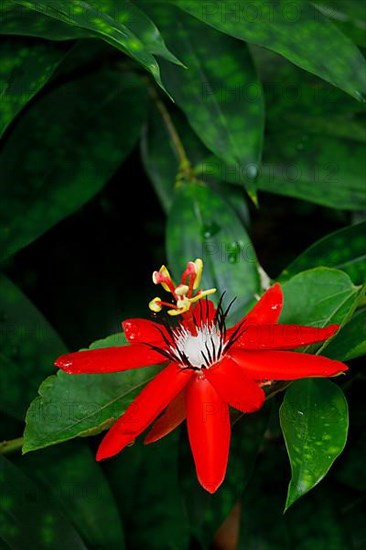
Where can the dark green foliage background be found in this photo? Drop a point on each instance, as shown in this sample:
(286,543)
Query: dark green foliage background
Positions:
(267,182)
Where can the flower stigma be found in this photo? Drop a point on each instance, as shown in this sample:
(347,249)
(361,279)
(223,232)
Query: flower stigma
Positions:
(201,350)
(185,294)
(198,341)
(192,344)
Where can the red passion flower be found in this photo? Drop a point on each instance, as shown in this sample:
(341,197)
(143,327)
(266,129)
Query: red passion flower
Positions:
(210,367)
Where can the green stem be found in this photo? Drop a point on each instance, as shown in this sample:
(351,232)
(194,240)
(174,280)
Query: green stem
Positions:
(361,302)
(11,445)
(185,170)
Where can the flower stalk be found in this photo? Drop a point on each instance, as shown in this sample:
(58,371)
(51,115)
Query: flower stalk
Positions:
(12,445)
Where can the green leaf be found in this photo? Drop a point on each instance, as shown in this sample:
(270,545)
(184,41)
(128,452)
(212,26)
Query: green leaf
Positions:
(315,168)
(202,225)
(28,346)
(206,512)
(294,94)
(69,406)
(162,166)
(301,102)
(306,166)
(45,176)
(25,69)
(19,20)
(143,27)
(220,81)
(76,482)
(348,15)
(344,249)
(314,422)
(28,518)
(145,483)
(350,342)
(297,31)
(318,297)
(121,24)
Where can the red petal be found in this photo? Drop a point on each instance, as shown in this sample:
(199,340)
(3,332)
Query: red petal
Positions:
(266,311)
(209,432)
(282,336)
(143,330)
(118,358)
(174,415)
(153,399)
(234,387)
(284,365)
(204,312)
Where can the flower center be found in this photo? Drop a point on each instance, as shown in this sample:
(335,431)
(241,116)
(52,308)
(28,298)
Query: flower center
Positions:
(199,351)
(185,294)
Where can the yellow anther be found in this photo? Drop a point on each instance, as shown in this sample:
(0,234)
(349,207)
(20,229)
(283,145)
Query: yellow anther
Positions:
(183,294)
(199,267)
(181,290)
(174,312)
(163,278)
(155,305)
(184,303)
(202,295)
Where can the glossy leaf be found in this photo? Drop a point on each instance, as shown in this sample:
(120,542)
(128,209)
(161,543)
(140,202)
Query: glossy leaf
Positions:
(213,232)
(69,405)
(146,485)
(346,126)
(350,342)
(315,168)
(25,69)
(303,103)
(344,249)
(28,518)
(314,422)
(76,481)
(212,91)
(20,20)
(318,297)
(121,24)
(44,176)
(293,94)
(298,32)
(306,166)
(28,345)
(348,15)
(206,512)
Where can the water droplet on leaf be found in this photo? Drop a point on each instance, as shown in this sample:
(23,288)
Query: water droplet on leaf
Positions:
(252,171)
(210,230)
(233,253)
